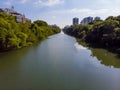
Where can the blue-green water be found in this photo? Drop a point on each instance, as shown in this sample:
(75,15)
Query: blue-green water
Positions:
(59,63)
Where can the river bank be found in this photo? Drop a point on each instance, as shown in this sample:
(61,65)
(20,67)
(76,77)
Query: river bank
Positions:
(115,50)
(16,35)
(99,33)
(104,55)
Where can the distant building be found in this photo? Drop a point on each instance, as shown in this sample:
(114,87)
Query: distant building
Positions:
(9,10)
(87,20)
(20,18)
(75,21)
(97,18)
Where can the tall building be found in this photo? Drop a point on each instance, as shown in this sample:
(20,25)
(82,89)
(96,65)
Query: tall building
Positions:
(87,20)
(97,18)
(75,21)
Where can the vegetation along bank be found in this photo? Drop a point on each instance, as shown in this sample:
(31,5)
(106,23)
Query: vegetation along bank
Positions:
(99,33)
(14,35)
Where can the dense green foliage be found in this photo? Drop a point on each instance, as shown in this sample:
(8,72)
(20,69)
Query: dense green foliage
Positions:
(104,33)
(16,35)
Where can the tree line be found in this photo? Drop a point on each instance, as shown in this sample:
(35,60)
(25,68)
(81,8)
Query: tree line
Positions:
(15,35)
(102,33)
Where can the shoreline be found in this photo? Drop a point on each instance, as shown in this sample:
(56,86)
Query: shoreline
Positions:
(114,50)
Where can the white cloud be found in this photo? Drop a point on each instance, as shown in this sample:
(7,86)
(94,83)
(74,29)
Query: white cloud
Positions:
(10,2)
(81,11)
(24,1)
(48,2)
(7,3)
(89,11)
(108,1)
(54,17)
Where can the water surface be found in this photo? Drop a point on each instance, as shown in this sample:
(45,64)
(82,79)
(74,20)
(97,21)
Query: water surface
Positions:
(59,63)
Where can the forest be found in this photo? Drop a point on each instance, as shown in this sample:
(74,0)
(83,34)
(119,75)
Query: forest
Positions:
(15,35)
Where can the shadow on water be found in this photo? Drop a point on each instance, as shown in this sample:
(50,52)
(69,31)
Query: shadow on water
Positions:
(10,58)
(107,58)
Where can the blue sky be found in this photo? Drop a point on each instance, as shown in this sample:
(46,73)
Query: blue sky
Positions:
(61,12)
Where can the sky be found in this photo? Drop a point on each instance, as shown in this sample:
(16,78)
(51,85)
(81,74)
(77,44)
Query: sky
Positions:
(61,12)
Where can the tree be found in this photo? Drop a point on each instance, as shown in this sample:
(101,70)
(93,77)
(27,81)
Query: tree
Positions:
(41,23)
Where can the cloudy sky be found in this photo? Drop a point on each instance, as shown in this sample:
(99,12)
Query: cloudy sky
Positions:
(61,12)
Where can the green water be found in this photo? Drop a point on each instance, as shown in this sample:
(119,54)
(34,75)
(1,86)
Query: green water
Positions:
(59,63)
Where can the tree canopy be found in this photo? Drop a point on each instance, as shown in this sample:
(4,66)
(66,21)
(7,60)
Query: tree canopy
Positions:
(105,32)
(16,35)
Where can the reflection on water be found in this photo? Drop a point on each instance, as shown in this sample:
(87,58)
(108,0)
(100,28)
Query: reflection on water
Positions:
(7,59)
(106,58)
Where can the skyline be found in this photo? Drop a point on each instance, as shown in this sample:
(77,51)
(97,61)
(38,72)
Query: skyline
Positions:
(61,12)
